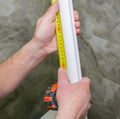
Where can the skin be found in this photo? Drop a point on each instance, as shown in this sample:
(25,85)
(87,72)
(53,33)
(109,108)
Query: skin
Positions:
(72,105)
(14,70)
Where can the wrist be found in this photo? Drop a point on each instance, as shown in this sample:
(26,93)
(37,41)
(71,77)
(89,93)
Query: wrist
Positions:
(66,114)
(36,51)
(38,46)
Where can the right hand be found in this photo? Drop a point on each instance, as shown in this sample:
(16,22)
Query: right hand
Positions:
(73,99)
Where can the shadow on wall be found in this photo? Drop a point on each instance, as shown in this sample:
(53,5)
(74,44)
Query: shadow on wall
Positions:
(99,47)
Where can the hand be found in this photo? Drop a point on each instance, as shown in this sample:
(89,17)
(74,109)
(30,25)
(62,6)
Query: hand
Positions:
(73,99)
(45,29)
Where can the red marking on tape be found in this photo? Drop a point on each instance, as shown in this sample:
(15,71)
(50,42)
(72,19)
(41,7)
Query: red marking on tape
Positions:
(63,65)
(59,29)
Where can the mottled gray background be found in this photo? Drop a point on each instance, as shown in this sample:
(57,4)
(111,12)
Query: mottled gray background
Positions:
(99,46)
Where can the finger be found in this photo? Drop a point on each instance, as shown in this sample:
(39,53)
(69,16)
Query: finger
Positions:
(89,106)
(40,19)
(78,31)
(85,83)
(62,77)
(86,80)
(76,16)
(77,24)
(52,11)
(54,43)
(52,28)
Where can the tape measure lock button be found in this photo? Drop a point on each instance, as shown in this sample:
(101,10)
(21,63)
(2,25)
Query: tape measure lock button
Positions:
(50,97)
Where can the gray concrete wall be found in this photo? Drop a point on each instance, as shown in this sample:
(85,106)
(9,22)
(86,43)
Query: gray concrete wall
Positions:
(99,46)
(17,23)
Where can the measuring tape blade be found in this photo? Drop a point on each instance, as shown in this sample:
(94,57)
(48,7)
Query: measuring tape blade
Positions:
(60,40)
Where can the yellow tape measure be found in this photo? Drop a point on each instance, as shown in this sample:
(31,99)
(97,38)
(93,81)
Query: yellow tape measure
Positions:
(60,40)
(49,97)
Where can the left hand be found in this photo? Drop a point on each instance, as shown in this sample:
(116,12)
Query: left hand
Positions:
(45,30)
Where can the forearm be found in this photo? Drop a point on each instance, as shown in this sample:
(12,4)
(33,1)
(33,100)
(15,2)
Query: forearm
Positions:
(14,69)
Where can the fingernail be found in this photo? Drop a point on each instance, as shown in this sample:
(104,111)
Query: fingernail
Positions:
(86,79)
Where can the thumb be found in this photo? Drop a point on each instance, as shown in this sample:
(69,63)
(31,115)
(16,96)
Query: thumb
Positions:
(85,83)
(52,11)
(62,77)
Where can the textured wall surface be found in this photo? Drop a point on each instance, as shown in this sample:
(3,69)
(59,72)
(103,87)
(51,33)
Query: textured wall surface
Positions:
(100,54)
(99,45)
(17,23)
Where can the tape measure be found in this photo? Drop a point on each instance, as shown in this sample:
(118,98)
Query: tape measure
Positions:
(60,40)
(50,95)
